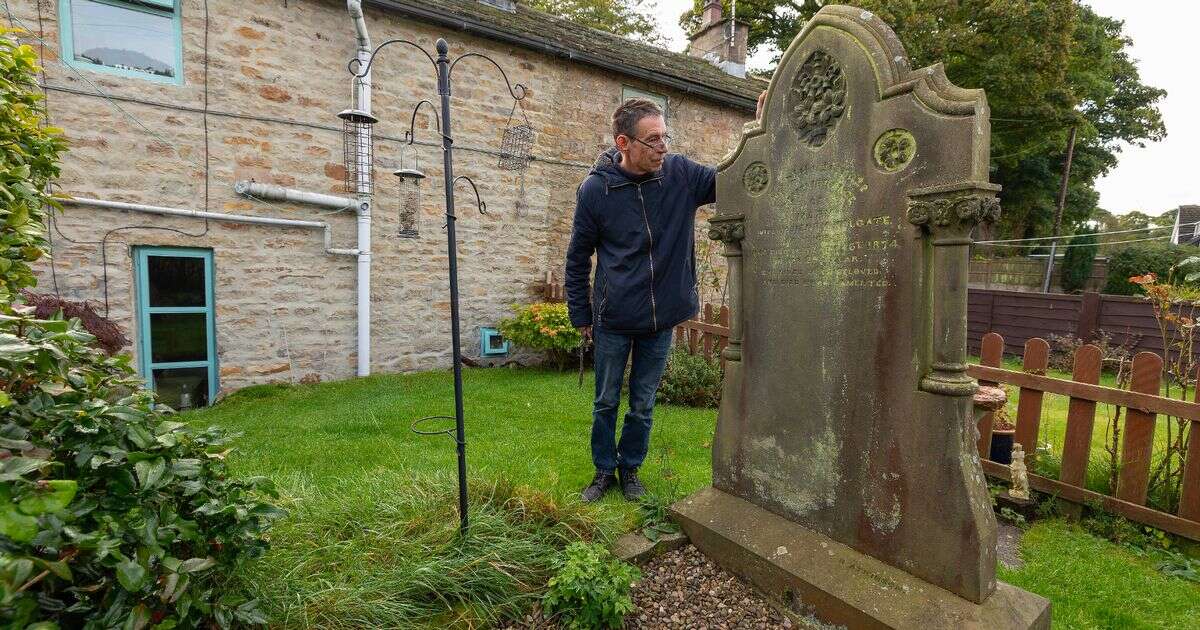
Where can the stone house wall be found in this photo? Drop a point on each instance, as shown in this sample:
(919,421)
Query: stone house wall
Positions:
(276,76)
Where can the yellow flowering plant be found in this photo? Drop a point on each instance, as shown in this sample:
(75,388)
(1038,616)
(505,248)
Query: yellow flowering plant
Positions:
(543,326)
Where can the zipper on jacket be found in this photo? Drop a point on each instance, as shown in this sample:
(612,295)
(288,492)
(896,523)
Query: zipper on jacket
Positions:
(603,303)
(650,253)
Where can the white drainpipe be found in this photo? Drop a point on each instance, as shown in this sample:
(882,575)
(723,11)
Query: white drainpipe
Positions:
(362,102)
(271,192)
(215,216)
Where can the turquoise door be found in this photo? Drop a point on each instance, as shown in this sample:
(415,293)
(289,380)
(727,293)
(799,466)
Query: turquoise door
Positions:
(176,328)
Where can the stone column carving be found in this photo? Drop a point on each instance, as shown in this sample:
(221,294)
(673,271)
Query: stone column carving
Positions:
(730,230)
(946,216)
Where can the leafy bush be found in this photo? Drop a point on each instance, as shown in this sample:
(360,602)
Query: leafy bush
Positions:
(544,326)
(28,161)
(115,513)
(691,380)
(1141,260)
(1112,354)
(590,588)
(111,513)
(1078,261)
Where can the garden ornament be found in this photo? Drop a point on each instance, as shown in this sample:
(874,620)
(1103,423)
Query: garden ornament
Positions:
(1020,478)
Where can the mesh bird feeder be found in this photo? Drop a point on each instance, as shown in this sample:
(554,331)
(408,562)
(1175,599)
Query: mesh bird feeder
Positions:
(518,141)
(409,199)
(358,150)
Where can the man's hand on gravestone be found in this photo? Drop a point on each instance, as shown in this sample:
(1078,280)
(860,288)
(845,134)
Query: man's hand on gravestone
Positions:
(586,331)
(762,98)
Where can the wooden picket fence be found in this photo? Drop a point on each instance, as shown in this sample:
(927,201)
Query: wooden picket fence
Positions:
(708,335)
(1142,403)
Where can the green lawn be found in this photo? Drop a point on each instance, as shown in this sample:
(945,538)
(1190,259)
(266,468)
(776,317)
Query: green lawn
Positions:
(370,540)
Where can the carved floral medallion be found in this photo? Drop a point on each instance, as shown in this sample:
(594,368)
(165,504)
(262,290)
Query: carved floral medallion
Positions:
(895,149)
(756,178)
(817,98)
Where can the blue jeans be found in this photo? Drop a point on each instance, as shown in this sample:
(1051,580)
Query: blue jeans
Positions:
(649,360)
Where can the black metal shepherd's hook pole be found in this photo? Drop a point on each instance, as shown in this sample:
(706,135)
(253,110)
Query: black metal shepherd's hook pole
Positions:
(460,436)
(445,68)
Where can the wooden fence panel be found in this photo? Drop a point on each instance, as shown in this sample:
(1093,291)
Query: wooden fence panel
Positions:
(1081,419)
(1189,498)
(1141,403)
(1137,443)
(991,354)
(1029,404)
(1021,316)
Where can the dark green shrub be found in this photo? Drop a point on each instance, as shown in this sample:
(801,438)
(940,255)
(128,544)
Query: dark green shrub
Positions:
(112,514)
(1078,261)
(691,380)
(590,588)
(1140,260)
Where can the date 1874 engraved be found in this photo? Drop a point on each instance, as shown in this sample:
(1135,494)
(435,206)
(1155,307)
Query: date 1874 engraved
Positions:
(817,98)
(756,178)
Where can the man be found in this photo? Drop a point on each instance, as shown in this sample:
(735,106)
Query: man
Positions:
(636,210)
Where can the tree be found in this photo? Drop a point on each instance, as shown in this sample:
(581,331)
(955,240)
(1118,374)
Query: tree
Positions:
(627,18)
(1078,261)
(1166,218)
(1047,65)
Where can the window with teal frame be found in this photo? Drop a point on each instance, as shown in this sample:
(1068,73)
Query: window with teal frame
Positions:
(176,327)
(132,38)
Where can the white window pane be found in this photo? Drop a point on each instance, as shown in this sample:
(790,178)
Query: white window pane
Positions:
(121,37)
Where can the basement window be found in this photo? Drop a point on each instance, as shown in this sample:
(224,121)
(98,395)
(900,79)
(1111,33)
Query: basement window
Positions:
(132,38)
(176,324)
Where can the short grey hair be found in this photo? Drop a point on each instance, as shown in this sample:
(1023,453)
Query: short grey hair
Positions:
(630,113)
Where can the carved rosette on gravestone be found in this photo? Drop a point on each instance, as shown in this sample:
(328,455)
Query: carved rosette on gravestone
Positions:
(845,474)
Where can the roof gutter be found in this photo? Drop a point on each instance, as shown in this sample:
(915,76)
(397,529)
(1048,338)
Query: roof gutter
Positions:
(434,16)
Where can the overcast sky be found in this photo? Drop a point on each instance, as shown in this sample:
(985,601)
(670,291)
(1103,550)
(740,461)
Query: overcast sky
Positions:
(1159,177)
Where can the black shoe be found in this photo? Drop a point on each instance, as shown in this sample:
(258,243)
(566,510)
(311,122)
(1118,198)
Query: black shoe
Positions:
(601,484)
(631,486)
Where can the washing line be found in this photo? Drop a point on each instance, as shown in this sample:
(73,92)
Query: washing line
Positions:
(1056,238)
(1135,240)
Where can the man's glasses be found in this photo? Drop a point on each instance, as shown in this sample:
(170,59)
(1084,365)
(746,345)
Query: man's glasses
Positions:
(658,143)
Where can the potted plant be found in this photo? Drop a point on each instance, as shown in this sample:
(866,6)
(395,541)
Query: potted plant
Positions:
(1003,430)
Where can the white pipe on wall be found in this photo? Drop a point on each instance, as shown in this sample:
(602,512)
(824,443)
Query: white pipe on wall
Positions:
(215,216)
(272,192)
(362,102)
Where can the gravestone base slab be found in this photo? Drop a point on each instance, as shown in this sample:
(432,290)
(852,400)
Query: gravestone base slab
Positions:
(816,575)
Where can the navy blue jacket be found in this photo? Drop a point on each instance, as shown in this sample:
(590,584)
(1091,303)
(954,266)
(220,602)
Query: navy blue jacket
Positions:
(643,232)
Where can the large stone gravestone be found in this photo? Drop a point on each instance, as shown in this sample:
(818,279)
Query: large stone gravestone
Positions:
(845,476)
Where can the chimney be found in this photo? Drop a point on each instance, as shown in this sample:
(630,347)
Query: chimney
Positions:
(712,12)
(721,41)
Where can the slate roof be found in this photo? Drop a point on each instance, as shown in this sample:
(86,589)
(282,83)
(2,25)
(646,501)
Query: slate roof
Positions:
(1186,221)
(559,37)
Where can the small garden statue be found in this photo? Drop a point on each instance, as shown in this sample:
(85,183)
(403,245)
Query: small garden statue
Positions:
(1020,480)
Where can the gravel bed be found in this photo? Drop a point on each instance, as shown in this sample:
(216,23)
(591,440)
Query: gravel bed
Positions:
(684,589)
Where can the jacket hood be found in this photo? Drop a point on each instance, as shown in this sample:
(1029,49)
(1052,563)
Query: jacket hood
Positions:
(606,168)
